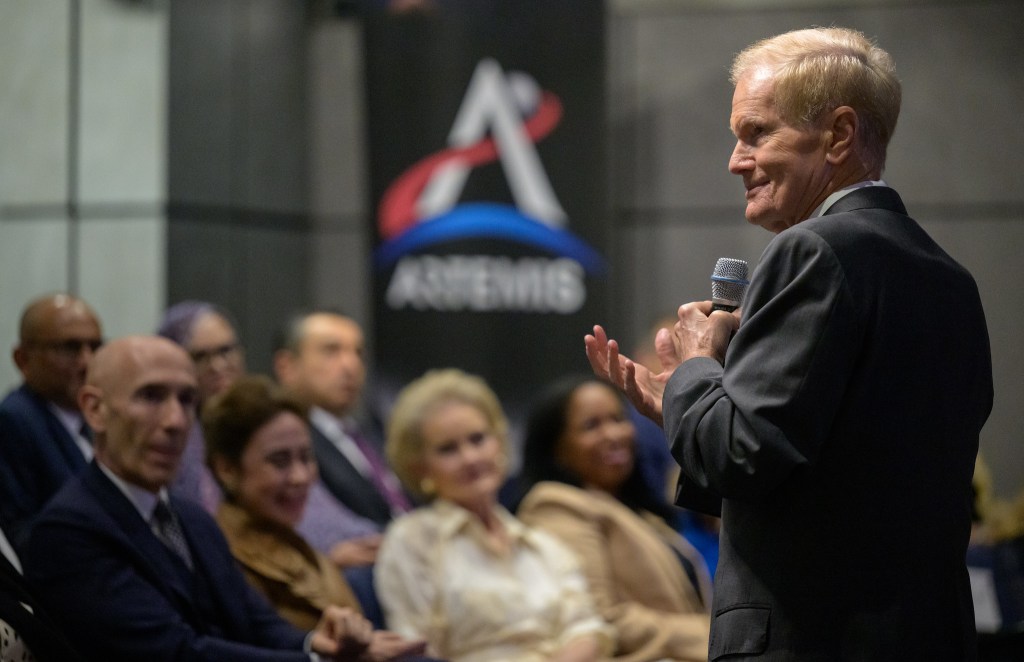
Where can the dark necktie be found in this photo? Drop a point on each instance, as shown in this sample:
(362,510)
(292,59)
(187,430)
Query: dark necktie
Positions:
(85,432)
(168,530)
(380,475)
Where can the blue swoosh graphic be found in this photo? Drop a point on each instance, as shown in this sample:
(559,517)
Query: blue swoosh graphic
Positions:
(485,220)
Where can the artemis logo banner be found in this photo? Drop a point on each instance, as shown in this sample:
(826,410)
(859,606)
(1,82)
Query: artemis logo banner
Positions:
(501,117)
(488,186)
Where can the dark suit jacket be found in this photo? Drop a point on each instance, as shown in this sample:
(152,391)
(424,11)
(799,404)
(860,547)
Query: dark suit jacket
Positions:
(348,486)
(22,611)
(841,437)
(37,456)
(120,594)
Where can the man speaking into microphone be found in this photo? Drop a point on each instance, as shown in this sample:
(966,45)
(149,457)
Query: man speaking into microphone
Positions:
(835,416)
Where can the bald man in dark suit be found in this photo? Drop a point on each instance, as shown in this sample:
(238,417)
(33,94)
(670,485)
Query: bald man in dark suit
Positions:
(131,572)
(43,439)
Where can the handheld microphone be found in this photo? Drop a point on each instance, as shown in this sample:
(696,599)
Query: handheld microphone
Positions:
(728,284)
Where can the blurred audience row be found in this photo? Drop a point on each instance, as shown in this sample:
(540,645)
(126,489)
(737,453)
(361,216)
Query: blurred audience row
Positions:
(165,505)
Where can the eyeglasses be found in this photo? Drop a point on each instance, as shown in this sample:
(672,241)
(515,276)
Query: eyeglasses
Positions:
(204,357)
(69,349)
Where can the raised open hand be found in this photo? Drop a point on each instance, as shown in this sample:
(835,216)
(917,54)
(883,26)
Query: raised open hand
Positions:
(643,387)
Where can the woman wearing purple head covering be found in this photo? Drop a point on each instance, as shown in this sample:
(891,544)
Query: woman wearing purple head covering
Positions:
(207,334)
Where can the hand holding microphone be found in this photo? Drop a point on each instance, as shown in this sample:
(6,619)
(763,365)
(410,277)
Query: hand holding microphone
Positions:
(728,284)
(692,336)
(697,333)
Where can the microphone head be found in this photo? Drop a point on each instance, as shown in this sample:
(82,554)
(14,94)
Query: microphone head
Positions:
(729,282)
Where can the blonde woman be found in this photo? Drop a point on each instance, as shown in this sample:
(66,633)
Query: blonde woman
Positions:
(462,572)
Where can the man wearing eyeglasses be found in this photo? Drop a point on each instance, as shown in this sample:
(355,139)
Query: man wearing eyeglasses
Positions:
(43,437)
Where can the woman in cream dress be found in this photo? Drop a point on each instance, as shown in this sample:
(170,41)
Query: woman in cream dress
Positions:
(462,572)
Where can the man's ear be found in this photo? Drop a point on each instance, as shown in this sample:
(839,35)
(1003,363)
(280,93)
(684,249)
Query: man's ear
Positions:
(284,367)
(841,134)
(94,410)
(20,357)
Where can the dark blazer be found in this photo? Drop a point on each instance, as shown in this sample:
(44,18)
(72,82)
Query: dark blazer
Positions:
(348,486)
(120,594)
(37,456)
(841,438)
(22,611)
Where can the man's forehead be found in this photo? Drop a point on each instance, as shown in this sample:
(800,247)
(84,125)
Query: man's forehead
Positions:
(74,325)
(752,101)
(172,382)
(53,316)
(128,362)
(332,329)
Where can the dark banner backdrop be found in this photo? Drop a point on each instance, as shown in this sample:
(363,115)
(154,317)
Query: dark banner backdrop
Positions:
(488,181)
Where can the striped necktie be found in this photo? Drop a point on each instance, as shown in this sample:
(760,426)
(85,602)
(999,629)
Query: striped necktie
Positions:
(168,530)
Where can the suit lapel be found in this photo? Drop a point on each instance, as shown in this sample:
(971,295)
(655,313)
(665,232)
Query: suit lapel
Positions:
(352,488)
(150,556)
(335,467)
(65,446)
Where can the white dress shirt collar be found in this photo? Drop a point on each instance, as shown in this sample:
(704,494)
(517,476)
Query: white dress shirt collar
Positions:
(143,500)
(333,428)
(72,422)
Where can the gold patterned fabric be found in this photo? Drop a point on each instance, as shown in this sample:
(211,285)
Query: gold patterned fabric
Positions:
(299,581)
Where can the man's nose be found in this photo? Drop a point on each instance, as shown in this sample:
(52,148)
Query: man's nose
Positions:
(740,159)
(177,415)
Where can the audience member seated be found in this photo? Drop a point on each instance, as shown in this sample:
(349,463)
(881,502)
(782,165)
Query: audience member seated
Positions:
(259,450)
(995,561)
(586,489)
(462,572)
(208,334)
(321,357)
(45,441)
(129,572)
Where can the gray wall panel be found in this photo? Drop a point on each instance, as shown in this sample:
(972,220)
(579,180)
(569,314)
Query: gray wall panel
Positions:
(123,120)
(33,102)
(337,171)
(259,274)
(31,265)
(201,102)
(121,272)
(271,131)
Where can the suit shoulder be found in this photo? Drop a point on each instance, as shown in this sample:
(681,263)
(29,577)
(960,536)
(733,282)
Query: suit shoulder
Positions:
(197,518)
(70,502)
(19,404)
